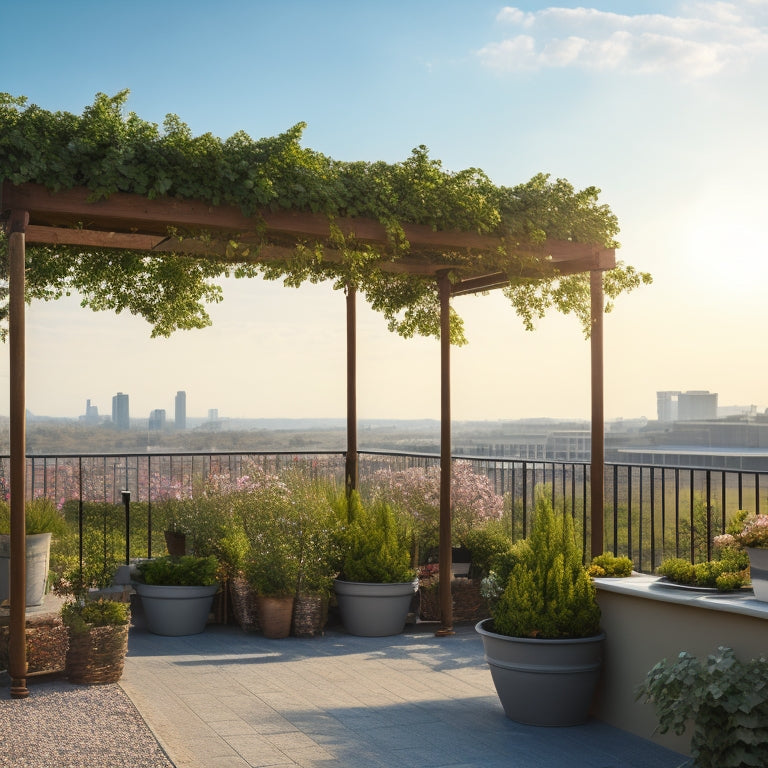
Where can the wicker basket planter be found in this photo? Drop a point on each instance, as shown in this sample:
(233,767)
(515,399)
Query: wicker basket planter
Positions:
(310,614)
(468,603)
(47,640)
(97,656)
(244,607)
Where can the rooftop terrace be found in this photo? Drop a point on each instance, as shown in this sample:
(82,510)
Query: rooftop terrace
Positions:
(225,698)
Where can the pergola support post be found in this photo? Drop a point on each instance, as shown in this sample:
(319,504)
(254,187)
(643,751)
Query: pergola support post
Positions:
(16,337)
(444,584)
(352,468)
(597,468)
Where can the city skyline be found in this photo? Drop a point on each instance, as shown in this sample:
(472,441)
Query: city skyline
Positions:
(653,102)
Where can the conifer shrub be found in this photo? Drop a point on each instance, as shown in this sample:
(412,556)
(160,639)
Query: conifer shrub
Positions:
(376,544)
(549,593)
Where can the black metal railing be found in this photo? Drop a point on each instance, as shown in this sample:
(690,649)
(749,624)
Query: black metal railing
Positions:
(650,512)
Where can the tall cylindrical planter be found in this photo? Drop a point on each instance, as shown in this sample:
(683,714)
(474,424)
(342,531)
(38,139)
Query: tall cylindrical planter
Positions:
(275,615)
(38,552)
(540,681)
(310,614)
(244,603)
(177,610)
(374,610)
(758,572)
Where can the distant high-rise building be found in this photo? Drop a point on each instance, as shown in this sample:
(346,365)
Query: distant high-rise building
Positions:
(157,420)
(91,414)
(213,414)
(120,413)
(694,405)
(666,405)
(697,406)
(180,415)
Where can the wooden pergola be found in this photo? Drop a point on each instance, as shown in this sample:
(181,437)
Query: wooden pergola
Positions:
(33,214)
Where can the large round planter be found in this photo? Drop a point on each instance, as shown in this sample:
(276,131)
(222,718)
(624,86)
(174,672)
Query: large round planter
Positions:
(275,615)
(38,551)
(374,610)
(176,611)
(543,682)
(758,572)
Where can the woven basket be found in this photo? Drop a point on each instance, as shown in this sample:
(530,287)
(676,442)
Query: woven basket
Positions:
(468,604)
(46,640)
(97,656)
(244,604)
(310,615)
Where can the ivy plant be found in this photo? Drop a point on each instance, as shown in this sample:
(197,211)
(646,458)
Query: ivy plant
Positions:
(725,700)
(108,151)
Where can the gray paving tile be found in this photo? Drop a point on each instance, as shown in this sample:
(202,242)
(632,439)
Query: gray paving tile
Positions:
(344,702)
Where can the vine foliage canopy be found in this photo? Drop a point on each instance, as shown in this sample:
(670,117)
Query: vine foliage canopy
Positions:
(110,153)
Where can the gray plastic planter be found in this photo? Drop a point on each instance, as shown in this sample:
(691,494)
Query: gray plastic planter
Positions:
(176,611)
(374,610)
(38,551)
(543,682)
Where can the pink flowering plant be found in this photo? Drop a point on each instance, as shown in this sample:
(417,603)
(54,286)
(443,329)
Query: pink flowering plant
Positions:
(746,529)
(415,493)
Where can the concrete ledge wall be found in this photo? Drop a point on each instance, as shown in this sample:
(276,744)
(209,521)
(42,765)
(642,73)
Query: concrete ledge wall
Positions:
(645,623)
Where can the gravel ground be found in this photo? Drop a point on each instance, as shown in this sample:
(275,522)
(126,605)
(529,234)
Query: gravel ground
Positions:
(62,725)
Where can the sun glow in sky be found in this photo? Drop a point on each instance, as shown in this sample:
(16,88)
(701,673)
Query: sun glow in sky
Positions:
(661,104)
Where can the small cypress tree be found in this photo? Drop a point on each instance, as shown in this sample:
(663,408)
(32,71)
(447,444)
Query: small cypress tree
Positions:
(376,546)
(549,593)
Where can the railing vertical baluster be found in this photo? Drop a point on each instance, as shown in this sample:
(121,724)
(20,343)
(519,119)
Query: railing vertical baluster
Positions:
(709,513)
(629,518)
(677,512)
(693,558)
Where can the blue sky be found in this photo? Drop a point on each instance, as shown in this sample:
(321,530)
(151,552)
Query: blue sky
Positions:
(662,105)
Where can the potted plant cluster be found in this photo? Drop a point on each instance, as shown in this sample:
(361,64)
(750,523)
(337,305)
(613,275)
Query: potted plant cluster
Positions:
(723,699)
(42,521)
(177,593)
(544,643)
(98,640)
(376,583)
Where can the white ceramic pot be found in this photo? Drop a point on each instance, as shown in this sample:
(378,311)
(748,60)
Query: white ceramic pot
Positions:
(758,572)
(38,553)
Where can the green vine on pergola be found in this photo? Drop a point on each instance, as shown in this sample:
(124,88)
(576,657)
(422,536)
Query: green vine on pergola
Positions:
(107,151)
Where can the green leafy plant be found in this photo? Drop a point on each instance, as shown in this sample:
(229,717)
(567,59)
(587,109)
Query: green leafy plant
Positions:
(486,544)
(549,593)
(187,570)
(82,616)
(729,571)
(376,544)
(40,516)
(608,564)
(724,699)
(107,151)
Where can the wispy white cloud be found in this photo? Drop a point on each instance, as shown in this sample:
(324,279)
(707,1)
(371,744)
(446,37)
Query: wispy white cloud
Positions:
(702,39)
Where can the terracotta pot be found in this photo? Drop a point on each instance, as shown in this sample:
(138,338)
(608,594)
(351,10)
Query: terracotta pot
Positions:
(275,615)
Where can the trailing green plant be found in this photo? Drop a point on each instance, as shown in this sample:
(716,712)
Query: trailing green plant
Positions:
(548,593)
(376,544)
(40,516)
(80,617)
(107,151)
(187,570)
(723,699)
(608,564)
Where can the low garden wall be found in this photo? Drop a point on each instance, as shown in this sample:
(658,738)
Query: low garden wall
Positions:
(646,622)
